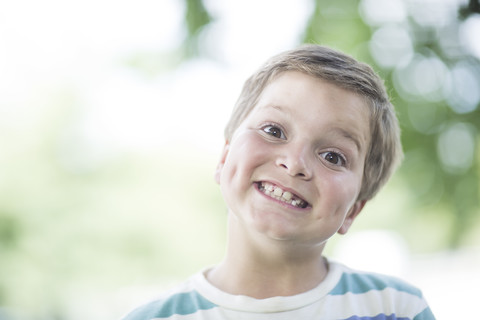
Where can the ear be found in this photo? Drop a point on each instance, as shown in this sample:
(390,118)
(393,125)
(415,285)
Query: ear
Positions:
(352,214)
(218,170)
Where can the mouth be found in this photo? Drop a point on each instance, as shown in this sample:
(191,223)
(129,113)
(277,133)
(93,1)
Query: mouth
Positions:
(279,194)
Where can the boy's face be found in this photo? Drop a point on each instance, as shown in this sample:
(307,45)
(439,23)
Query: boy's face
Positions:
(293,168)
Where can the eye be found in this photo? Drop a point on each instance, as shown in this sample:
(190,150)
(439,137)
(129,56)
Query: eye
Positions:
(274,131)
(334,158)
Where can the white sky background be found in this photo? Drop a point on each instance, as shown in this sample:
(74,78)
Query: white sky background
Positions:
(48,46)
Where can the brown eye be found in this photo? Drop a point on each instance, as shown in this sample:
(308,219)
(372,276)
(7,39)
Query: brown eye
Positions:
(274,131)
(334,158)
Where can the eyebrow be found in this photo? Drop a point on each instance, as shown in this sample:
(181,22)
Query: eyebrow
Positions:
(349,136)
(276,107)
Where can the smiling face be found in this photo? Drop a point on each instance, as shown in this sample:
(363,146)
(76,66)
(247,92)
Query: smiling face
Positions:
(293,168)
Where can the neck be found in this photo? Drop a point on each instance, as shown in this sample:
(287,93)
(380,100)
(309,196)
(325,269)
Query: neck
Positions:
(264,269)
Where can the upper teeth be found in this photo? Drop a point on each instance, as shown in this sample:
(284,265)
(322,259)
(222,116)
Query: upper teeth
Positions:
(278,193)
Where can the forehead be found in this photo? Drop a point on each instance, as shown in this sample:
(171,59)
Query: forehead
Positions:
(294,78)
(297,87)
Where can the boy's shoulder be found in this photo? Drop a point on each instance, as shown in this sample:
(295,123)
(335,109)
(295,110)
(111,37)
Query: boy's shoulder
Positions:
(357,282)
(380,293)
(182,299)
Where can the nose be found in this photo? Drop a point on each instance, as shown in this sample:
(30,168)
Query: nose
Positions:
(295,160)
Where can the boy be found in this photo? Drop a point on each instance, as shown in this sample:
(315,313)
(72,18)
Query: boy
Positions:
(312,138)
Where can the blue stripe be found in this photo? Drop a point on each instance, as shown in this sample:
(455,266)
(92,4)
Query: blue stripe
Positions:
(181,304)
(360,283)
(378,317)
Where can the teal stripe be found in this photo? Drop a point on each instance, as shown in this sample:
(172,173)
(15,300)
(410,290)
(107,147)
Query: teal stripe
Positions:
(360,283)
(425,315)
(181,304)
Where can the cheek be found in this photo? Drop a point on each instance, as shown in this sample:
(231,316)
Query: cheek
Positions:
(247,152)
(342,189)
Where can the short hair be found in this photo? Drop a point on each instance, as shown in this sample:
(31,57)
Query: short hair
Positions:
(385,150)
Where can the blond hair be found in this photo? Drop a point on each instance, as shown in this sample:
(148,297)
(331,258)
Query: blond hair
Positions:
(385,150)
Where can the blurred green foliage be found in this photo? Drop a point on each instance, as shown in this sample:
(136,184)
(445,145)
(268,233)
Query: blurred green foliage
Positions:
(66,234)
(196,18)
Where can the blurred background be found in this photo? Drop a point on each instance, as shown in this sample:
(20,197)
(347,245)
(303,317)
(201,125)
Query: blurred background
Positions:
(111,124)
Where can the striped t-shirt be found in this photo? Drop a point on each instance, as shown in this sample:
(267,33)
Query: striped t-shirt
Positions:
(344,294)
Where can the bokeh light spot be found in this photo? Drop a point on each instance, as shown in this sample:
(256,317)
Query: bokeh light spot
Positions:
(456,146)
(378,12)
(391,45)
(424,77)
(463,88)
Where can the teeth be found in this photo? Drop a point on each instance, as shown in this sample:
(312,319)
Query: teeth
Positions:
(285,196)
